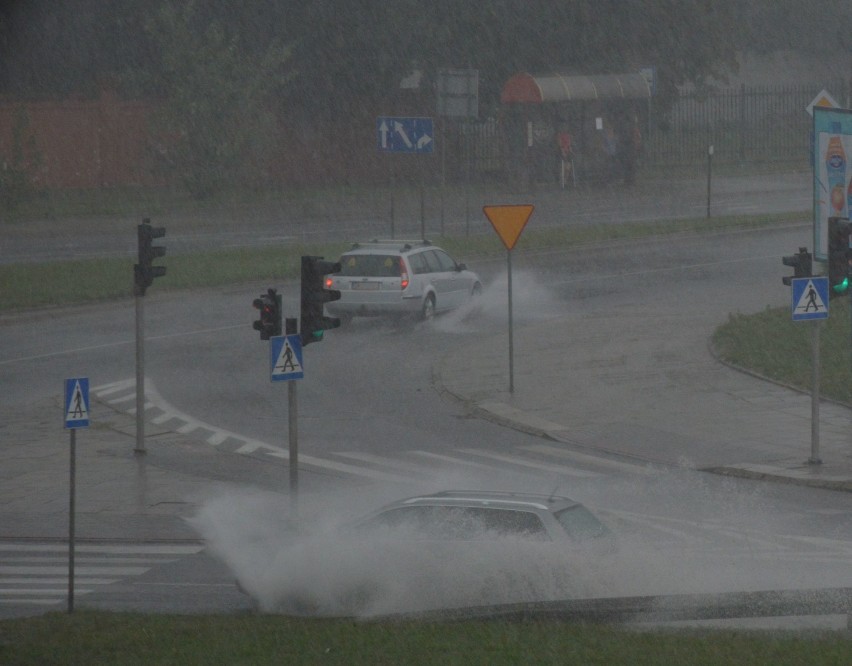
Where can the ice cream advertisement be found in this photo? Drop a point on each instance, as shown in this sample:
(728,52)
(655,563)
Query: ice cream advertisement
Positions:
(832,162)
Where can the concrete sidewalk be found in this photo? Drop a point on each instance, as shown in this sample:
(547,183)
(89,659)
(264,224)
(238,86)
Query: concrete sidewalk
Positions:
(616,384)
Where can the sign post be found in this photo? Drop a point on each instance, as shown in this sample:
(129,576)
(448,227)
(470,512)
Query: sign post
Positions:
(411,135)
(285,359)
(809,302)
(509,222)
(76,416)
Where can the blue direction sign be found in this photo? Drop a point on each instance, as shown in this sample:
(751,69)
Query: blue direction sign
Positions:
(810,298)
(405,135)
(77,402)
(285,358)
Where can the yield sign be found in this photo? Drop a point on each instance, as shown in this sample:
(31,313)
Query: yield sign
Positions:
(508,221)
(823,100)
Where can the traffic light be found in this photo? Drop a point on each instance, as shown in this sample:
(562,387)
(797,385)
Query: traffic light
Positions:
(312,319)
(269,323)
(802,263)
(839,255)
(144,272)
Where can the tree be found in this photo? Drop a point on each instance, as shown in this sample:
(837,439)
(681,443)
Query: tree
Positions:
(19,169)
(364,48)
(215,125)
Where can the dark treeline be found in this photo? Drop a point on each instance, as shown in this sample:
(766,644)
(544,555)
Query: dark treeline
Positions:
(345,49)
(227,77)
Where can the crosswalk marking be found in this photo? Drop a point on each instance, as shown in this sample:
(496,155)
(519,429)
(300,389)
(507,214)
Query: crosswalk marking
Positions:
(352,469)
(452,460)
(397,468)
(524,462)
(51,559)
(59,580)
(36,573)
(114,549)
(382,460)
(597,461)
(42,592)
(18,570)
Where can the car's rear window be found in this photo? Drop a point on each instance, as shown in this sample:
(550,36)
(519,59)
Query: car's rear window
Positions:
(457,523)
(580,523)
(369,265)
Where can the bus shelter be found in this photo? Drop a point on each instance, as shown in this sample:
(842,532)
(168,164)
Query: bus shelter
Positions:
(570,128)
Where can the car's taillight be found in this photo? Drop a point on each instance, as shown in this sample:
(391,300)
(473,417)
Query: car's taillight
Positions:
(403,274)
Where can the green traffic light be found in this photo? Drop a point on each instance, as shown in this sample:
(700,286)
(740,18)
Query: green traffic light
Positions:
(317,335)
(841,287)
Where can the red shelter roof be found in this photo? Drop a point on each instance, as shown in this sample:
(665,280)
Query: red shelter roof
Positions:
(526,88)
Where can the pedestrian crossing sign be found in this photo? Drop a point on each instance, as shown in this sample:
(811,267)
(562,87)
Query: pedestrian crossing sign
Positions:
(77,402)
(285,358)
(810,298)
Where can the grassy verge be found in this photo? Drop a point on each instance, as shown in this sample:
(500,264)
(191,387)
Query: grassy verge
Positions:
(107,638)
(26,286)
(771,344)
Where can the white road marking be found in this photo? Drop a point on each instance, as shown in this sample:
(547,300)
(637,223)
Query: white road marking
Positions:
(524,462)
(597,461)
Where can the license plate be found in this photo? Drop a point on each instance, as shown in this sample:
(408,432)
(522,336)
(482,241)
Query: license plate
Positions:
(366,286)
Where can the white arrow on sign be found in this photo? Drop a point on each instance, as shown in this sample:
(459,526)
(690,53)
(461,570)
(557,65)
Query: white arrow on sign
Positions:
(383,128)
(401,131)
(423,141)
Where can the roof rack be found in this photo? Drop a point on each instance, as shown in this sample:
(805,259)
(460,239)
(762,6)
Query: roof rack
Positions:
(398,242)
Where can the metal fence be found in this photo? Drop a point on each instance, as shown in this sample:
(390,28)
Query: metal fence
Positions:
(745,124)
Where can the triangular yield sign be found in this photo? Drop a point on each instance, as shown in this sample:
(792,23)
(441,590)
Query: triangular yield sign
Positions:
(823,100)
(508,221)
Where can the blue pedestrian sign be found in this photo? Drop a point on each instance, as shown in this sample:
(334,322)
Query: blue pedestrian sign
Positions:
(809,298)
(285,358)
(77,402)
(405,135)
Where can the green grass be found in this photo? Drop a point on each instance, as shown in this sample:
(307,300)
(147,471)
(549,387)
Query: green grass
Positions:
(771,344)
(127,639)
(26,286)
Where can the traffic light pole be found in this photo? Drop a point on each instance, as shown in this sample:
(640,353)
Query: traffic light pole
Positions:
(140,375)
(144,274)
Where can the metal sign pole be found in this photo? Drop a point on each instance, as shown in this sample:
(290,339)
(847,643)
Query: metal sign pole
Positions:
(709,176)
(294,445)
(76,416)
(511,341)
(508,222)
(815,379)
(71,513)
(293,430)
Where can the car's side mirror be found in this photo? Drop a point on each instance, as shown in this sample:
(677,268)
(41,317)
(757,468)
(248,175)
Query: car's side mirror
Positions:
(461,267)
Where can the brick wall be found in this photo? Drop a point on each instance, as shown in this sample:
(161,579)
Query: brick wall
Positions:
(81,144)
(104,143)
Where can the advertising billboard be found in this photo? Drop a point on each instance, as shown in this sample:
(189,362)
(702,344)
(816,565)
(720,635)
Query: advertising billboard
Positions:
(832,148)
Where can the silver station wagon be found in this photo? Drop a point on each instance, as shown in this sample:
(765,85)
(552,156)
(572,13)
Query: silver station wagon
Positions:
(399,278)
